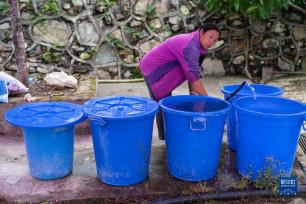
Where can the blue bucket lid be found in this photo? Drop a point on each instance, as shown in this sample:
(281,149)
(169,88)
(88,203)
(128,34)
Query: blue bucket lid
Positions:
(45,115)
(120,107)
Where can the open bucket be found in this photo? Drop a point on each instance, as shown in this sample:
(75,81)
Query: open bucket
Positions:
(268,133)
(48,130)
(194,128)
(246,90)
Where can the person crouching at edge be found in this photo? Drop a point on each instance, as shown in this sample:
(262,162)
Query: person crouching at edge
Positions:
(168,65)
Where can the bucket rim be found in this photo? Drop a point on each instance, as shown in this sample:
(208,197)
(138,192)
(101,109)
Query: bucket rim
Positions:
(277,93)
(91,116)
(268,115)
(69,122)
(212,113)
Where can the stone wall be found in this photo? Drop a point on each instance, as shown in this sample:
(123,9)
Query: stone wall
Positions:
(108,37)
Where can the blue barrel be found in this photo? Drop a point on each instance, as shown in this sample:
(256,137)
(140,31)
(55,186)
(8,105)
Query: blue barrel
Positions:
(259,90)
(121,128)
(48,130)
(194,128)
(268,129)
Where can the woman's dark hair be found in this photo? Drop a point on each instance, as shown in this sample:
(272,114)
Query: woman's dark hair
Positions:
(209,26)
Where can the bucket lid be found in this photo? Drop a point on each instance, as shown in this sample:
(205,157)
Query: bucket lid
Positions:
(45,114)
(120,107)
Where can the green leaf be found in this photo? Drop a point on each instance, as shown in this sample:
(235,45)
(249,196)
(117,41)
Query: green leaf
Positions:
(237,4)
(85,56)
(252,8)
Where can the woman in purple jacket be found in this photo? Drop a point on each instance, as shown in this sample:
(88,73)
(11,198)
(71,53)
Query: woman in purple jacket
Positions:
(176,60)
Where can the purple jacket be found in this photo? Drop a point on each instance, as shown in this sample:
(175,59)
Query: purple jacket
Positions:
(168,65)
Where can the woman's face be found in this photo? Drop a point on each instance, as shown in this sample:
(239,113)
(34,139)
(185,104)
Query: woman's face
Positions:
(209,38)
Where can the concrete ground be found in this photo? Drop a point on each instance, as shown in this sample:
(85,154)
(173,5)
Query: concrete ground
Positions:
(82,186)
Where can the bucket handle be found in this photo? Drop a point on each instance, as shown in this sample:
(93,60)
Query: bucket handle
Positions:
(236,91)
(198,123)
(102,122)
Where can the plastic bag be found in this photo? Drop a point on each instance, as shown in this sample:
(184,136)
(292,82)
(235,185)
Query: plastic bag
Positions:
(13,85)
(61,79)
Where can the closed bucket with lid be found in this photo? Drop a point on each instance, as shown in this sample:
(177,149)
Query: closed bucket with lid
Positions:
(48,130)
(121,129)
(194,128)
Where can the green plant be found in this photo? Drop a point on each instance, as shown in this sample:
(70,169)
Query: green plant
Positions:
(136,73)
(115,42)
(50,7)
(51,57)
(257,9)
(150,10)
(269,176)
(106,3)
(55,45)
(4,8)
(242,183)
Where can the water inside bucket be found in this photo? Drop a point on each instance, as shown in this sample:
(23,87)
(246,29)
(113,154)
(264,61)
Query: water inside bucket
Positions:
(198,106)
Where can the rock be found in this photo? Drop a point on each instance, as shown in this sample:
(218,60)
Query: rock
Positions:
(67,6)
(102,74)
(52,32)
(141,7)
(148,45)
(237,23)
(174,20)
(213,67)
(176,28)
(303,63)
(162,6)
(129,59)
(4,26)
(117,34)
(113,70)
(285,65)
(270,43)
(201,13)
(135,23)
(88,34)
(42,70)
(278,27)
(77,3)
(184,10)
(127,74)
(105,55)
(259,27)
(239,59)
(174,3)
(155,23)
(142,34)
(299,32)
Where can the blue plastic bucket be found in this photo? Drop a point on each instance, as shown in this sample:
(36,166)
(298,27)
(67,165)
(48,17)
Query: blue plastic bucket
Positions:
(3,92)
(259,89)
(48,130)
(194,128)
(268,129)
(121,129)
